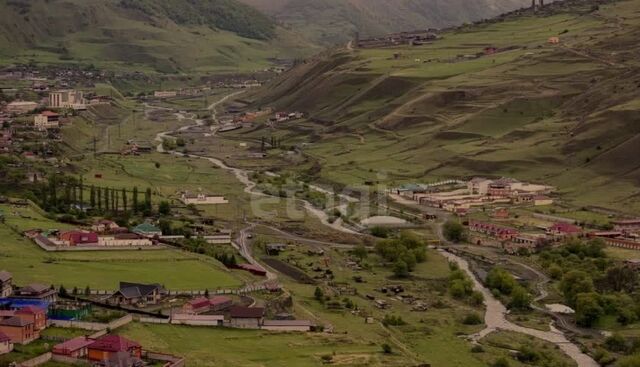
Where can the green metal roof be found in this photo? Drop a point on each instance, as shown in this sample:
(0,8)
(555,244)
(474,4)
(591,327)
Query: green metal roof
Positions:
(146,228)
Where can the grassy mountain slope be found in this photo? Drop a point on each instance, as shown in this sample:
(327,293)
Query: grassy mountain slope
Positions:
(336,21)
(166,36)
(564,114)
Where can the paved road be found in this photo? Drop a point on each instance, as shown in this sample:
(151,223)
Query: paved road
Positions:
(495,319)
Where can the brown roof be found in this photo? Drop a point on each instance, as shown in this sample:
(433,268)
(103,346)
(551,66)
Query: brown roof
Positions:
(15,322)
(4,337)
(34,288)
(240,312)
(5,276)
(287,323)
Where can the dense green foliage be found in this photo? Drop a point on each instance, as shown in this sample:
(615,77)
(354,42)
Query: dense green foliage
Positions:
(454,231)
(228,15)
(404,253)
(502,282)
(592,283)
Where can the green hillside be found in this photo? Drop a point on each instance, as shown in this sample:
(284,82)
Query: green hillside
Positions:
(336,21)
(564,114)
(164,36)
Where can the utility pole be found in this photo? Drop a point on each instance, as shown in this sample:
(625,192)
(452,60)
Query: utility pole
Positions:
(94,146)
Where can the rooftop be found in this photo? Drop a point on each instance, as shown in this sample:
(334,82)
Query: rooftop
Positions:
(114,343)
(241,312)
(72,345)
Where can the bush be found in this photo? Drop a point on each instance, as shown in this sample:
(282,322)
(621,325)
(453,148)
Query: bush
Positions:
(477,349)
(472,319)
(501,362)
(454,231)
(390,320)
(386,349)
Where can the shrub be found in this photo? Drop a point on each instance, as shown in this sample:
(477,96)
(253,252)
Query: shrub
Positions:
(386,349)
(501,362)
(472,319)
(477,349)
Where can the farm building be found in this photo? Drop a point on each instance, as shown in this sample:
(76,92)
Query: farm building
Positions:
(246,317)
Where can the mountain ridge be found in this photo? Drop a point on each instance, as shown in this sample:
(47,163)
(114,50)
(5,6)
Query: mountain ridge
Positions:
(336,21)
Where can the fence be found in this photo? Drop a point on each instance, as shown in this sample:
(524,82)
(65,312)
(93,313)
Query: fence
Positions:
(69,360)
(92,326)
(33,362)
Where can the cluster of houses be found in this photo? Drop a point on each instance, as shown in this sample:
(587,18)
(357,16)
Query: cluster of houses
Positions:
(23,312)
(460,197)
(218,310)
(223,312)
(109,350)
(103,234)
(625,233)
(513,240)
(413,38)
(201,198)
(286,116)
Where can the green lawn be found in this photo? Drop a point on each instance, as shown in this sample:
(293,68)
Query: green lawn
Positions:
(103,270)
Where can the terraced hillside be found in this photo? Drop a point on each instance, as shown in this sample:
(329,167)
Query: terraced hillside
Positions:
(160,36)
(566,114)
(336,21)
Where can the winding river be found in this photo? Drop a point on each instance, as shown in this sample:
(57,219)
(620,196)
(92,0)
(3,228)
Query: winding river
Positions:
(495,319)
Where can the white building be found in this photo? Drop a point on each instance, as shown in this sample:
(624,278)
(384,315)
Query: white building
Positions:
(21,107)
(165,93)
(70,98)
(124,240)
(202,199)
(46,120)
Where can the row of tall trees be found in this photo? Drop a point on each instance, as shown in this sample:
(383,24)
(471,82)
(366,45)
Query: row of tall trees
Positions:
(63,194)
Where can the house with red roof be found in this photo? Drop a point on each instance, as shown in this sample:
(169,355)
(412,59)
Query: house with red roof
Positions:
(75,348)
(219,303)
(75,238)
(203,305)
(197,306)
(6,345)
(561,229)
(34,314)
(110,347)
(46,120)
(493,230)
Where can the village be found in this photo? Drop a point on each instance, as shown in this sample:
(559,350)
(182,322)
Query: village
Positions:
(178,220)
(509,214)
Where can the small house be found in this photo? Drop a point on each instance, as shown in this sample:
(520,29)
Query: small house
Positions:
(79,238)
(34,314)
(74,348)
(20,330)
(137,294)
(564,230)
(110,346)
(46,120)
(6,284)
(275,249)
(147,230)
(6,345)
(202,199)
(104,226)
(36,292)
(246,317)
(219,303)
(196,306)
